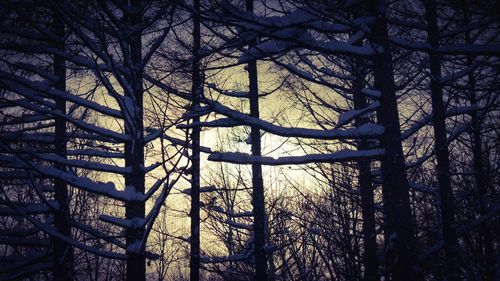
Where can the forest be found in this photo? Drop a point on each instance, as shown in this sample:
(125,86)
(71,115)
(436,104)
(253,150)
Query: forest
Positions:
(238,140)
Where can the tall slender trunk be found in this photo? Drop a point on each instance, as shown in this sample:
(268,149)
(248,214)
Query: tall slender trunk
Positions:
(194,262)
(441,147)
(399,230)
(487,248)
(63,252)
(134,149)
(365,183)
(481,182)
(259,212)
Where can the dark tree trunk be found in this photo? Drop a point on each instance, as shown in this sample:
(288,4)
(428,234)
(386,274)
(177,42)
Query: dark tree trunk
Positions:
(487,248)
(400,241)
(365,183)
(194,262)
(259,211)
(63,252)
(441,148)
(482,191)
(134,149)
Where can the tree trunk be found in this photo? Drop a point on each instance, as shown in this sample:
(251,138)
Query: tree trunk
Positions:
(194,262)
(487,248)
(400,244)
(134,149)
(63,252)
(441,148)
(365,183)
(257,181)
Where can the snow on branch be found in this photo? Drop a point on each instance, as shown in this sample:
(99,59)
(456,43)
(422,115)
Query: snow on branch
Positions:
(465,229)
(218,123)
(27,208)
(52,231)
(89,165)
(203,189)
(94,153)
(229,93)
(361,132)
(234,224)
(422,188)
(290,31)
(31,89)
(372,93)
(340,156)
(449,49)
(45,107)
(428,119)
(135,223)
(347,117)
(106,189)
